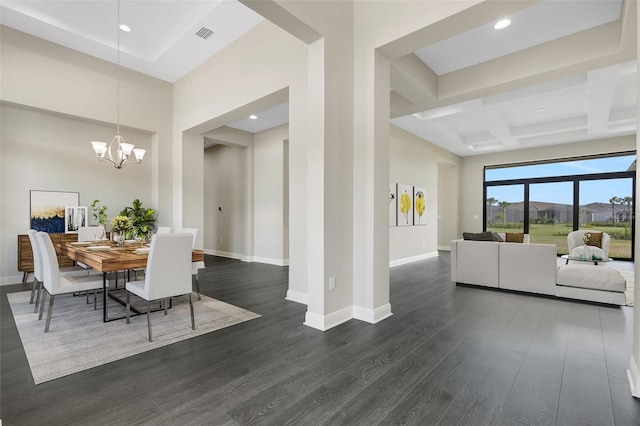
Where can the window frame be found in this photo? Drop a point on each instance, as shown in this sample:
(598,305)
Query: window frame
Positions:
(576,179)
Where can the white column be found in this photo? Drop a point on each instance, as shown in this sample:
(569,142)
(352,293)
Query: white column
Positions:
(633,373)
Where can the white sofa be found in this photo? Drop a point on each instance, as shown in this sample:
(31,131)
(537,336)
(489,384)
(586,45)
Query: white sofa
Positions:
(533,268)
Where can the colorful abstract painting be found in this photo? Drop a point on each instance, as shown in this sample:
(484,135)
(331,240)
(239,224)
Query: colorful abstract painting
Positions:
(47,209)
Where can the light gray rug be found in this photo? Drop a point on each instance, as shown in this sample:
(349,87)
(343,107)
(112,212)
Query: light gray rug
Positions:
(79,340)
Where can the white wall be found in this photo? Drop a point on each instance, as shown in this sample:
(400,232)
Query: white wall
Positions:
(76,97)
(44,151)
(472,177)
(226,172)
(448,202)
(224,201)
(261,62)
(269,196)
(416,162)
(44,75)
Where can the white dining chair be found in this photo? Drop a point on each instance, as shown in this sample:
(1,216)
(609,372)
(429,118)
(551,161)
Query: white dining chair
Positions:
(163,230)
(195,265)
(38,274)
(91,233)
(168,274)
(55,284)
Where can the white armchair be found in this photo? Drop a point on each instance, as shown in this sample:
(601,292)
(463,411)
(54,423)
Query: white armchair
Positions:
(576,244)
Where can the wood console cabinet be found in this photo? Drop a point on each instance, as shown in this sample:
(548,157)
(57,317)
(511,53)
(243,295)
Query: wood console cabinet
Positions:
(25,254)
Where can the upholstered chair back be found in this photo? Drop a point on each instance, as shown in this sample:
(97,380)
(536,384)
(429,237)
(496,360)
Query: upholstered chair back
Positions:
(37,257)
(50,269)
(168,270)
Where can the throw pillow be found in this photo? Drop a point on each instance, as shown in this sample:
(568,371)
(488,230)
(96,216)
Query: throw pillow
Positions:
(515,237)
(595,239)
(495,236)
(477,236)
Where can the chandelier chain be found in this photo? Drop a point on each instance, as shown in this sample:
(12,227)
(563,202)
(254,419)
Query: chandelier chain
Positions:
(118,72)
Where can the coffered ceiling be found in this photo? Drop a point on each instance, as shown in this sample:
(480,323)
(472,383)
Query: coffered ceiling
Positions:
(563,71)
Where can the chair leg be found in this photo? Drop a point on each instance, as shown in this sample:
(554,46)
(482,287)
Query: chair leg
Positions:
(127,309)
(164,302)
(46,327)
(149,319)
(195,278)
(95,300)
(193,320)
(38,291)
(42,302)
(35,307)
(33,289)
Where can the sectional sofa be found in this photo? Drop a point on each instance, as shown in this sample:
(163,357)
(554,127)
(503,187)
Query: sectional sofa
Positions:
(533,268)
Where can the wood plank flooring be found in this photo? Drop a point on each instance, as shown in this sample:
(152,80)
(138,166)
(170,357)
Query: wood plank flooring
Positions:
(450,355)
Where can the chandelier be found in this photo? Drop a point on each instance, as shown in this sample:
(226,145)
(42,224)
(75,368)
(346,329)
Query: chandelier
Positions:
(118,152)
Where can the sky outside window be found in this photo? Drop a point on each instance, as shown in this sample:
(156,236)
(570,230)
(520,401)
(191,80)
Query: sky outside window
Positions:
(599,190)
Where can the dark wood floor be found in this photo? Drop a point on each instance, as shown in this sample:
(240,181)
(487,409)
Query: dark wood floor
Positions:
(449,355)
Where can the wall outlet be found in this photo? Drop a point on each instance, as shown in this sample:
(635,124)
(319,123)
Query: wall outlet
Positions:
(220,241)
(424,243)
(332,283)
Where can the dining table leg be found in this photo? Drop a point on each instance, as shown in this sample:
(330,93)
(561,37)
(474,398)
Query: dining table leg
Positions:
(105,315)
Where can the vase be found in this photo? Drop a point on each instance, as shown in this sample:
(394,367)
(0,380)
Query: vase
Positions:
(120,239)
(587,252)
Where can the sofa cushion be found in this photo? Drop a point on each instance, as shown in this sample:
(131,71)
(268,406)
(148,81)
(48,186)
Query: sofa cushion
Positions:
(514,237)
(477,236)
(591,277)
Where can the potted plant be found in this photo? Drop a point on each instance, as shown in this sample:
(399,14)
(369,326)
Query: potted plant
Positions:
(99,212)
(143,220)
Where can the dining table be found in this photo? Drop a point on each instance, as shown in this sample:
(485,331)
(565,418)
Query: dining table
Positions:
(106,257)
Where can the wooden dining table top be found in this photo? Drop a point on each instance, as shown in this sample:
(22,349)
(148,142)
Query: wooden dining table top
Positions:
(113,259)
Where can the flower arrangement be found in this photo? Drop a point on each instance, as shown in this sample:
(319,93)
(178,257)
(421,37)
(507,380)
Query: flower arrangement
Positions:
(585,238)
(121,224)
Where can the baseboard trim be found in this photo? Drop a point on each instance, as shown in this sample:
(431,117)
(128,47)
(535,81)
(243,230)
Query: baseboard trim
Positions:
(297,296)
(633,375)
(444,248)
(244,258)
(227,254)
(270,261)
(412,259)
(324,323)
(372,316)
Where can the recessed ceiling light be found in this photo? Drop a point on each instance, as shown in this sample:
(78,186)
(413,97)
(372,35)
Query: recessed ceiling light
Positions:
(502,24)
(540,110)
(253,117)
(125,28)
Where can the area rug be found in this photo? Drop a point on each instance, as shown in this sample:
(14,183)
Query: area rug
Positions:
(629,277)
(79,340)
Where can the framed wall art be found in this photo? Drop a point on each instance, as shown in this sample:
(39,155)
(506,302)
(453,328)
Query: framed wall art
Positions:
(47,209)
(405,205)
(74,218)
(419,206)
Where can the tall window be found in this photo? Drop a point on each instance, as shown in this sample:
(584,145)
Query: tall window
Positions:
(549,200)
